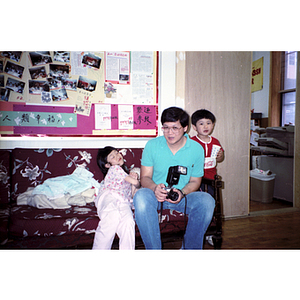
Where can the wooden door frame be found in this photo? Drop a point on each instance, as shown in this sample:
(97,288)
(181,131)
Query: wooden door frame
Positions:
(274,95)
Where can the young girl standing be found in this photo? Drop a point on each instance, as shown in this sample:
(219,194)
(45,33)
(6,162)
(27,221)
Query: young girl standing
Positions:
(114,202)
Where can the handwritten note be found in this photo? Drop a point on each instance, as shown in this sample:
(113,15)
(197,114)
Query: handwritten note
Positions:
(102,116)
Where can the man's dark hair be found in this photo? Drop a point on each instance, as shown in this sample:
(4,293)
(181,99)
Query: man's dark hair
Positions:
(174,114)
(202,114)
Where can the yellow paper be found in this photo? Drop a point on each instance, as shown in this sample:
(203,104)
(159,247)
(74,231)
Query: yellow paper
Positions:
(257,75)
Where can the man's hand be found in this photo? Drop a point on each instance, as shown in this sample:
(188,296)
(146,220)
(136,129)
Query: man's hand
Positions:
(160,192)
(179,197)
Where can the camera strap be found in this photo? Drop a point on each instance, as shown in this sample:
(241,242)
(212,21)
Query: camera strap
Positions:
(184,220)
(185,205)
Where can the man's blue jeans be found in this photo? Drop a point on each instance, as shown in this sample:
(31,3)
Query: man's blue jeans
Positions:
(200,208)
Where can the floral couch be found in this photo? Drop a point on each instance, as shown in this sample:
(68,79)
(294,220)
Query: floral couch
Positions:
(70,223)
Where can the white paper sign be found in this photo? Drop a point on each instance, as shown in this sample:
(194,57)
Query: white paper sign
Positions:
(125,116)
(214,151)
(102,116)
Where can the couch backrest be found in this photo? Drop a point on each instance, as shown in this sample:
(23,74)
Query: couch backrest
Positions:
(31,167)
(5,176)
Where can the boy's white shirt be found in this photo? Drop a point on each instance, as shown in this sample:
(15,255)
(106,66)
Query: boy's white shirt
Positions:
(209,162)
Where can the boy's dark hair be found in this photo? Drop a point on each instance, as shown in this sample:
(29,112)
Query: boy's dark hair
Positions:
(102,159)
(174,114)
(202,114)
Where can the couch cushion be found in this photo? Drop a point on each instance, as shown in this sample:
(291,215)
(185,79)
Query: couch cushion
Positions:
(82,240)
(172,221)
(28,221)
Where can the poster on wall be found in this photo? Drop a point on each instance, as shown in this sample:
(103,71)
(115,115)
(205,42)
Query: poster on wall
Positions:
(135,120)
(117,67)
(257,75)
(38,87)
(103,116)
(138,87)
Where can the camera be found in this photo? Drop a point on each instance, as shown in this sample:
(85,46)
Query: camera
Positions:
(173,179)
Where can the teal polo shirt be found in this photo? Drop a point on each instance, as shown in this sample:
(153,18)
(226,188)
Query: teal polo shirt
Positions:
(157,154)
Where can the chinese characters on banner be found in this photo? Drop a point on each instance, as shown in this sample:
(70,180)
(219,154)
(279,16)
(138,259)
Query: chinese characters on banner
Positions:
(257,75)
(37,119)
(124,117)
(144,116)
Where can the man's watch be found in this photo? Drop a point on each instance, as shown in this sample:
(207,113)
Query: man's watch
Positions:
(183,194)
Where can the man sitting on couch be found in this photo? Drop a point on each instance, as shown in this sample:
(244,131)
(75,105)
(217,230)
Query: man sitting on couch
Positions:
(174,148)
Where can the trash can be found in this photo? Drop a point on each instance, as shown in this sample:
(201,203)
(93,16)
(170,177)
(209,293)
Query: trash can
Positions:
(261,186)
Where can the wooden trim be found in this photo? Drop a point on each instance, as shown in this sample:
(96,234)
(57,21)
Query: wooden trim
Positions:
(275,99)
(296,183)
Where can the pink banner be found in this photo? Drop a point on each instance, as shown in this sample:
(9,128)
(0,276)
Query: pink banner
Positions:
(85,124)
(144,116)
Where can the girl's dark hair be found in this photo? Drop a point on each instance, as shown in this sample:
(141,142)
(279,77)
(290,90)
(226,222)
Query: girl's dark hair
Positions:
(102,159)
(174,114)
(202,114)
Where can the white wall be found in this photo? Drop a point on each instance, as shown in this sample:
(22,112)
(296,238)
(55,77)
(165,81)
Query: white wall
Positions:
(260,99)
(167,82)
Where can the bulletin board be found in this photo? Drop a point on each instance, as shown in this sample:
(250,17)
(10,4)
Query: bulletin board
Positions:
(77,93)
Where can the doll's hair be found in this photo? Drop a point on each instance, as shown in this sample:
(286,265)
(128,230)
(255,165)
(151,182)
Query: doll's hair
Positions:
(102,159)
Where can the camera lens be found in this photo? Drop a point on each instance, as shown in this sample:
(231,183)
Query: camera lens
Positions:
(173,196)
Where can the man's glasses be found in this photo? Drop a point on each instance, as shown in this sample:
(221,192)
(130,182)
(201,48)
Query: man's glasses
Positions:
(174,129)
